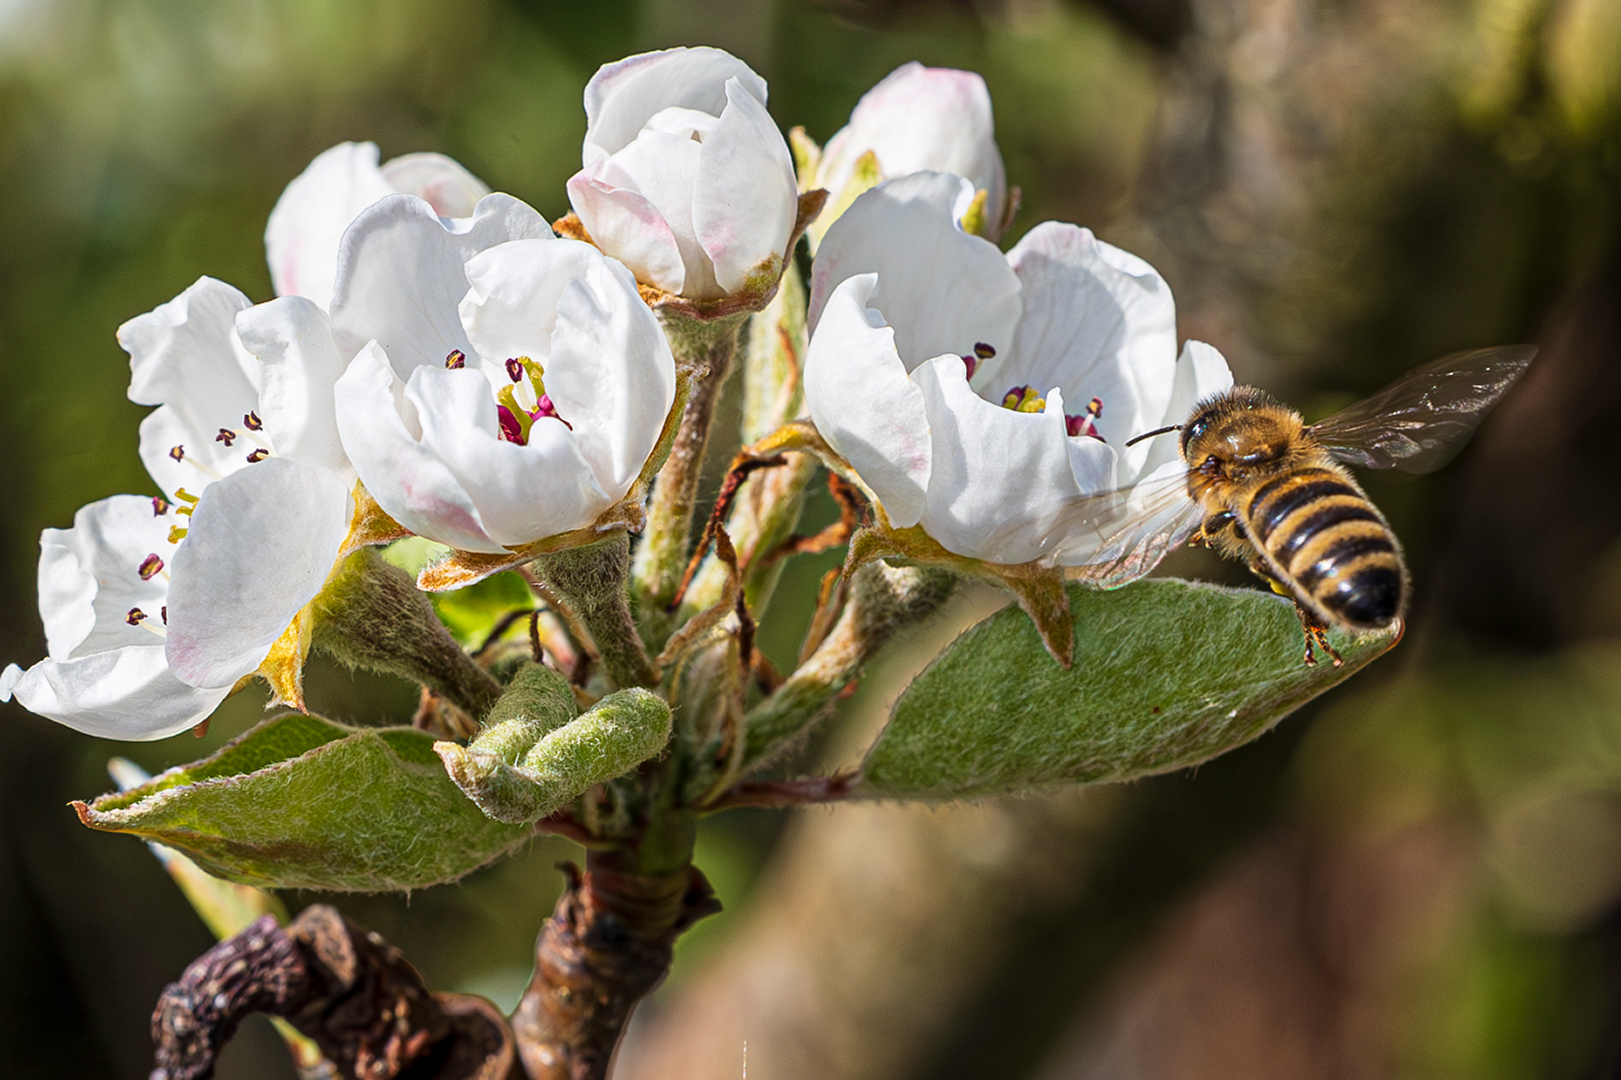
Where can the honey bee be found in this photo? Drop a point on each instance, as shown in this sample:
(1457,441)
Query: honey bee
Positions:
(1259,484)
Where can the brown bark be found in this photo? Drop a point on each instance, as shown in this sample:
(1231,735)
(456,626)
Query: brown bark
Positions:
(607,944)
(348,990)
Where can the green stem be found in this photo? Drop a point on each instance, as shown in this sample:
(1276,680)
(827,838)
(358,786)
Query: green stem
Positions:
(591,581)
(662,556)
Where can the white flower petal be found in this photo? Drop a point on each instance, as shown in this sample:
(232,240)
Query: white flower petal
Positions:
(89,576)
(523,493)
(858,394)
(451,190)
(302,235)
(622,97)
(292,338)
(1097,321)
(400,275)
(126,693)
(1001,479)
(612,374)
(745,198)
(380,430)
(663,169)
(942,290)
(921,119)
(1201,373)
(608,366)
(627,224)
(260,546)
(185,356)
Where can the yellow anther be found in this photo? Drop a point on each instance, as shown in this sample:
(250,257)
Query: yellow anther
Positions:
(1024,399)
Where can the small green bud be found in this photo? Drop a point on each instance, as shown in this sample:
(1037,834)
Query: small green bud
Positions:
(623,730)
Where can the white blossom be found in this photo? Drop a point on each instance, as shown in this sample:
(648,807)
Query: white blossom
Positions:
(308,222)
(981,395)
(686,179)
(917,119)
(500,392)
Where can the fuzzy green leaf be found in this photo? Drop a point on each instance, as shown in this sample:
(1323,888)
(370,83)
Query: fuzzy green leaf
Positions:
(301,802)
(1167,674)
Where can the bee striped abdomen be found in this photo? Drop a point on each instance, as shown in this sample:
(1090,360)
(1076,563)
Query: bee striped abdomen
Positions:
(1331,543)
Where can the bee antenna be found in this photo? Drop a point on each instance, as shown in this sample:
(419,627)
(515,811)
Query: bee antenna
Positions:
(1151,434)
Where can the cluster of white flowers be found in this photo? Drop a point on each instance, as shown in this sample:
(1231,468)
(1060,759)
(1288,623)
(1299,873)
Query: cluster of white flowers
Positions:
(437,354)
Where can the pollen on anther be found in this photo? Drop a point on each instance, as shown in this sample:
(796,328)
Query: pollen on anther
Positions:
(135,616)
(456,359)
(258,455)
(150,567)
(252,422)
(226,436)
(178,453)
(160,506)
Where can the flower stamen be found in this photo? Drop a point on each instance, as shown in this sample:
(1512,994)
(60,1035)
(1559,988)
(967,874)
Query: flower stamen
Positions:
(178,453)
(455,359)
(137,617)
(252,422)
(226,436)
(160,506)
(1024,399)
(150,567)
(1086,423)
(981,353)
(515,415)
(258,455)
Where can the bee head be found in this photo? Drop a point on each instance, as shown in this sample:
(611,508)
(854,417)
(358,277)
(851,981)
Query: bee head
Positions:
(1240,429)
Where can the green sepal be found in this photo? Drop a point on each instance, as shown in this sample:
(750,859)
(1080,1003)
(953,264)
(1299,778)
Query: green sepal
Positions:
(1166,674)
(302,802)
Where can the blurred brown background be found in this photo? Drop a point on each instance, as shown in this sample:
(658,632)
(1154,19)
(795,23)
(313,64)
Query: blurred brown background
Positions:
(1415,877)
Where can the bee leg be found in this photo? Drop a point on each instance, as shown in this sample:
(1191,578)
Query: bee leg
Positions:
(1316,631)
(1212,525)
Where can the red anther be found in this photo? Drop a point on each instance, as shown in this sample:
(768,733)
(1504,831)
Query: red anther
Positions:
(456,359)
(258,455)
(135,616)
(252,422)
(515,369)
(226,436)
(178,452)
(160,506)
(511,429)
(150,567)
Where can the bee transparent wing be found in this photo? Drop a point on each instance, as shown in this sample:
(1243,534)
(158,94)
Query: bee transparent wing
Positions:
(1132,529)
(1421,421)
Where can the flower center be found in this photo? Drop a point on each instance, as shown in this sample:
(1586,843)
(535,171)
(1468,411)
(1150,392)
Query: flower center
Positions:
(1025,399)
(525,401)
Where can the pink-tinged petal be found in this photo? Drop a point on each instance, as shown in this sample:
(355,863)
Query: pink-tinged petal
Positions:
(858,394)
(90,576)
(622,97)
(609,370)
(745,197)
(921,119)
(127,693)
(1201,372)
(1002,480)
(260,546)
(1098,322)
(380,431)
(662,167)
(626,225)
(400,275)
(523,493)
(185,356)
(451,190)
(299,364)
(302,235)
(942,290)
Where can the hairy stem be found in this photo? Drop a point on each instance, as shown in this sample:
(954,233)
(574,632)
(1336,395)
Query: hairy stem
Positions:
(371,615)
(662,556)
(592,582)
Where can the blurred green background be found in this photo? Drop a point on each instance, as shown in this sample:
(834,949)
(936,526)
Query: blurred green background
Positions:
(1416,877)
